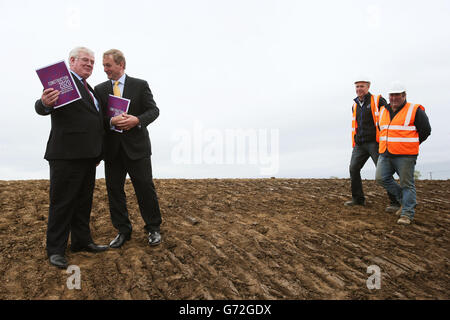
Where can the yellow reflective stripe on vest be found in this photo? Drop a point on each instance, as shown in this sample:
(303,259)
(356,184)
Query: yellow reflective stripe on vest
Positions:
(409,114)
(392,139)
(381,115)
(382,112)
(376,100)
(404,128)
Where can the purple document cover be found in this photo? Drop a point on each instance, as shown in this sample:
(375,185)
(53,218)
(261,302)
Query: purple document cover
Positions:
(117,106)
(58,77)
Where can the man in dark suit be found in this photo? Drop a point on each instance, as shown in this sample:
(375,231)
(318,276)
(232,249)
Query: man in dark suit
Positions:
(129,151)
(74,148)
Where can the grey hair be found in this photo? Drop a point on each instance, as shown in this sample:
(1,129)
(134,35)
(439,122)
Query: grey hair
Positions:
(76,51)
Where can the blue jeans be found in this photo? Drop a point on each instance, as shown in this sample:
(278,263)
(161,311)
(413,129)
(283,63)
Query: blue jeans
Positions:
(405,192)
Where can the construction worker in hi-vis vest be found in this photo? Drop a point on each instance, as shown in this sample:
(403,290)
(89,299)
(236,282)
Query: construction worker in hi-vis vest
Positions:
(365,138)
(403,127)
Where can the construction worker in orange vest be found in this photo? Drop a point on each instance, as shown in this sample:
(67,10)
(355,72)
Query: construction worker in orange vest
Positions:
(365,140)
(403,127)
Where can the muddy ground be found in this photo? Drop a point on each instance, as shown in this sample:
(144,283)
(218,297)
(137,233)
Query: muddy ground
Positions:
(237,239)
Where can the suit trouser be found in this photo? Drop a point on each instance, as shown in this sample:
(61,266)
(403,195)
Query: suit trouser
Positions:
(140,172)
(71,191)
(360,155)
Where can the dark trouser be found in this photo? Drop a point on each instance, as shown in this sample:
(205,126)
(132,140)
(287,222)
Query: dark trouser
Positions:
(71,190)
(360,155)
(140,172)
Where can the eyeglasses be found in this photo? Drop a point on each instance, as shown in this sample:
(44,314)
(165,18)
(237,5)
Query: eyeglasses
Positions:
(86,60)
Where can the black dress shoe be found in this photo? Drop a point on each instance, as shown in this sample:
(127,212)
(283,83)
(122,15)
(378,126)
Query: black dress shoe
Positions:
(91,247)
(154,238)
(119,240)
(352,203)
(58,261)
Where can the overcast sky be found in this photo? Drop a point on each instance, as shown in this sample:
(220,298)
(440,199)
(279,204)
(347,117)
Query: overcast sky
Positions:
(280,71)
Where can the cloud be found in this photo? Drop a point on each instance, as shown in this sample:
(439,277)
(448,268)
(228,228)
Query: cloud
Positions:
(283,65)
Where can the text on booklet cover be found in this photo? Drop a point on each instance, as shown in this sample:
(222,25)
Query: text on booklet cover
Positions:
(117,106)
(58,77)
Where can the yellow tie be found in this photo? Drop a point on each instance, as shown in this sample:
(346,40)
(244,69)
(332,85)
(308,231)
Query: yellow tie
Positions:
(116,89)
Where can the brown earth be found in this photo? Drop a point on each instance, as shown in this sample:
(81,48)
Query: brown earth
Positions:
(237,239)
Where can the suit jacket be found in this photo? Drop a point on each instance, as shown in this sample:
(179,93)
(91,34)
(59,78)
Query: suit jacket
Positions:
(135,142)
(77,129)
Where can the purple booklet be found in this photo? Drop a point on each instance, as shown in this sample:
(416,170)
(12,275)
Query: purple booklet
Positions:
(58,77)
(117,106)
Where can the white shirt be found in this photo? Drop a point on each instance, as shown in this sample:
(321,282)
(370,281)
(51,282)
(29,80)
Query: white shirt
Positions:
(361,103)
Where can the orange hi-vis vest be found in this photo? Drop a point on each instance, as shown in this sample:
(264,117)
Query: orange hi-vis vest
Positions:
(374,102)
(399,135)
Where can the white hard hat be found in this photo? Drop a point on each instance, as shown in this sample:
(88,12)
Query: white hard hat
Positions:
(397,87)
(362,78)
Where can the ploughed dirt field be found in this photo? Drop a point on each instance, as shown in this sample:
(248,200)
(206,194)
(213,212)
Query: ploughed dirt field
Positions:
(237,239)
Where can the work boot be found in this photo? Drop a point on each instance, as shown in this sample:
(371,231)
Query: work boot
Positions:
(393,208)
(404,220)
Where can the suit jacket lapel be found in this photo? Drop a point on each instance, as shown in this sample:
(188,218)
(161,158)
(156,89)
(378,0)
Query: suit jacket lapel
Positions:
(126,89)
(89,97)
(109,88)
(86,98)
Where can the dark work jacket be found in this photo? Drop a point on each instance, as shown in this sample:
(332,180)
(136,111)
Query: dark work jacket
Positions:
(135,142)
(421,123)
(366,130)
(77,129)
